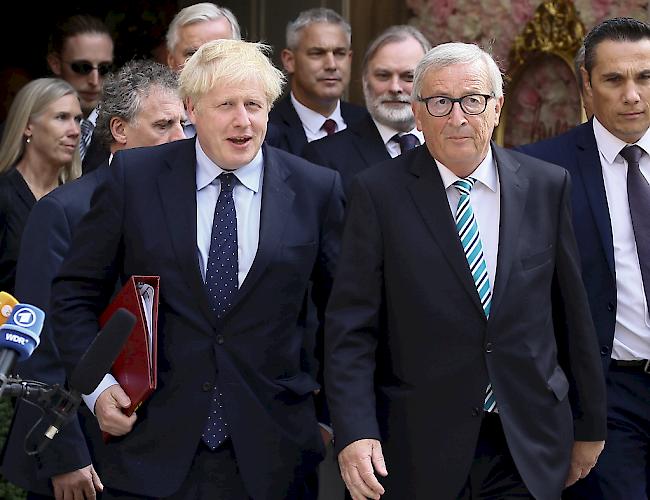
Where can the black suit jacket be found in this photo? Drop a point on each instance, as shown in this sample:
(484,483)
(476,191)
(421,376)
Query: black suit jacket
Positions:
(147,214)
(350,151)
(46,241)
(96,154)
(290,132)
(409,351)
(576,150)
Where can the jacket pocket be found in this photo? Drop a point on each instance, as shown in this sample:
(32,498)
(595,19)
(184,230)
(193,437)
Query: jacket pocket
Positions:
(537,259)
(300,384)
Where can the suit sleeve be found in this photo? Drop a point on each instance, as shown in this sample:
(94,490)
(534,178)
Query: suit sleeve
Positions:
(86,281)
(577,340)
(45,242)
(352,323)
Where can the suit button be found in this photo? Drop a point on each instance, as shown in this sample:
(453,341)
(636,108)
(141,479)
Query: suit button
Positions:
(476,412)
(610,307)
(488,347)
(604,350)
(206,386)
(220,339)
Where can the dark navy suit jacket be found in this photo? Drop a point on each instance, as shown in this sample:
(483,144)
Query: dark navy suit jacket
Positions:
(46,241)
(409,350)
(143,222)
(350,151)
(290,132)
(576,150)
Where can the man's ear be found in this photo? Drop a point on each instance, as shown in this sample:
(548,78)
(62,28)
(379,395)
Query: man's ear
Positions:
(586,81)
(54,62)
(118,130)
(288,60)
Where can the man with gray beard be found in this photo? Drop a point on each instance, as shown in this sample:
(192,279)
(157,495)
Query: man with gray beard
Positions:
(388,67)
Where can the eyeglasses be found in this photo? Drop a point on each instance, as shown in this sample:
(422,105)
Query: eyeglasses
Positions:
(440,105)
(85,67)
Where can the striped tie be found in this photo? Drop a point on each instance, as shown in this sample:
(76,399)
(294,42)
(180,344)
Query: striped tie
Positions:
(471,240)
(87,128)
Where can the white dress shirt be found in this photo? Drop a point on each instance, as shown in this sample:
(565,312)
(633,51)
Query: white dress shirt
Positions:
(632,329)
(387,134)
(485,200)
(247,194)
(313,121)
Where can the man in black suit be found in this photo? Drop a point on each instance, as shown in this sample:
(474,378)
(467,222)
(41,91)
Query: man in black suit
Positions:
(81,53)
(388,67)
(609,187)
(445,349)
(236,231)
(140,107)
(318,59)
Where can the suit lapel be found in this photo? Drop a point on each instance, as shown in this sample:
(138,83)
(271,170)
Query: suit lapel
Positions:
(277,200)
(369,142)
(514,188)
(591,175)
(177,188)
(295,133)
(430,198)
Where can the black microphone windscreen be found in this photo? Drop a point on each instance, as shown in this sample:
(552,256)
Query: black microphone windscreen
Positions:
(102,352)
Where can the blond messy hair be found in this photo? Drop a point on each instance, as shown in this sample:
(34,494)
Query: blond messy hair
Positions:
(230,62)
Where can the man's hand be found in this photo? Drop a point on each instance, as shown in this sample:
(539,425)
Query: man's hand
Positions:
(583,458)
(78,484)
(358,462)
(108,410)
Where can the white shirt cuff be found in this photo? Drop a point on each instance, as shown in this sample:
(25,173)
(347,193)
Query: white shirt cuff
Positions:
(91,398)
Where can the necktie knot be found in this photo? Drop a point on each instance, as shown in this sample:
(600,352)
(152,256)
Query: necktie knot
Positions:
(632,154)
(464,186)
(407,142)
(329,126)
(227,182)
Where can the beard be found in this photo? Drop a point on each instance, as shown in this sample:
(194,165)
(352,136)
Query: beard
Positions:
(397,117)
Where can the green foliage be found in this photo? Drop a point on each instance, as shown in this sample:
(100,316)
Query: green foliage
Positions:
(7,491)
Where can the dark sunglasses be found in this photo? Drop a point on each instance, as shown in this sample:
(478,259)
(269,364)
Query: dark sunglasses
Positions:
(85,67)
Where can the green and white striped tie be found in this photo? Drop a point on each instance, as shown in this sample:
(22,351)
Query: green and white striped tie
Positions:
(471,240)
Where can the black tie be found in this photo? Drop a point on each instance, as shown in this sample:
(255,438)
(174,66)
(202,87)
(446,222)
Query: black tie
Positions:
(407,142)
(221,283)
(638,193)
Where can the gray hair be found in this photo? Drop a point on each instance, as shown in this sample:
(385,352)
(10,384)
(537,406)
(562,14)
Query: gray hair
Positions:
(449,54)
(311,16)
(125,90)
(394,34)
(197,13)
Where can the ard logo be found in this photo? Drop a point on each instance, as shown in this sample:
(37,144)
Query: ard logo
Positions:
(24,317)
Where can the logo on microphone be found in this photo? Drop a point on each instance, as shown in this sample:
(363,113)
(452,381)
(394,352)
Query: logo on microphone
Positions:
(6,310)
(24,317)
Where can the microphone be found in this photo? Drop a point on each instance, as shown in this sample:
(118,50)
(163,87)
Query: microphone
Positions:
(7,303)
(93,365)
(19,336)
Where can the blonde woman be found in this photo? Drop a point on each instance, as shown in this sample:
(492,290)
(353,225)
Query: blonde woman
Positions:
(39,151)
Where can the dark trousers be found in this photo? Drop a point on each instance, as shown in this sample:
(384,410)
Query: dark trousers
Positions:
(623,469)
(213,476)
(493,475)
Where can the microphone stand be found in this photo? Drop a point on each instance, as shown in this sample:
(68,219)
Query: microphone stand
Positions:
(58,404)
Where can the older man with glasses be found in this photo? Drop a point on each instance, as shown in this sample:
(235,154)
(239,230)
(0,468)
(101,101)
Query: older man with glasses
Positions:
(461,359)
(81,53)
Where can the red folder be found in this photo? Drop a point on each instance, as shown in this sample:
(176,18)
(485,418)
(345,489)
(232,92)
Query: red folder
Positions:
(135,368)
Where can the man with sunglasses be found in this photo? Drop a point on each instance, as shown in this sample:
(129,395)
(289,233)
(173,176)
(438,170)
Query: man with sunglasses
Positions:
(81,53)
(458,335)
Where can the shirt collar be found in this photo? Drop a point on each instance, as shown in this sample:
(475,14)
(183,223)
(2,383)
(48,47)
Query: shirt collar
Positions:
(207,171)
(387,133)
(312,120)
(610,146)
(92,117)
(485,173)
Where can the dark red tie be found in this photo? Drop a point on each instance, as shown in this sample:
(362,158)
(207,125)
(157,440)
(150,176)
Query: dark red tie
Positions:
(638,194)
(329,126)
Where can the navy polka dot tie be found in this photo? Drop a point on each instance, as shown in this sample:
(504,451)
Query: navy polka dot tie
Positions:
(221,285)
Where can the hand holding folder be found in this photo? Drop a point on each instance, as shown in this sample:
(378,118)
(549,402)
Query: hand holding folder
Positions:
(135,368)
